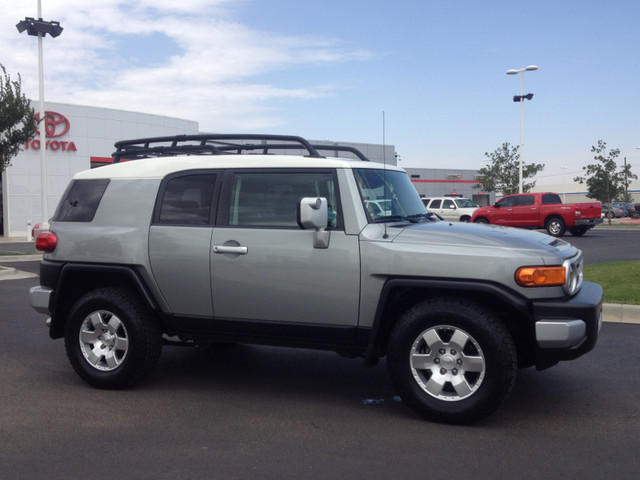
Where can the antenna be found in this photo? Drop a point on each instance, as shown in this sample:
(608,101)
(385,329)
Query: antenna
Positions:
(384,171)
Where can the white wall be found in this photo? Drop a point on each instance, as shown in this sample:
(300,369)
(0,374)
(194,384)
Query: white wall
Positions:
(93,131)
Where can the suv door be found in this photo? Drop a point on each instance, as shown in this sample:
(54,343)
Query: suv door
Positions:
(180,241)
(449,210)
(267,269)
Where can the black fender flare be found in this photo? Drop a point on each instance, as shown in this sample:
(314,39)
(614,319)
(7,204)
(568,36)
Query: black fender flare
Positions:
(488,288)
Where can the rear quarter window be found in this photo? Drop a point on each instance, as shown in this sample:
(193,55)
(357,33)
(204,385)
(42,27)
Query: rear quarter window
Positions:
(80,202)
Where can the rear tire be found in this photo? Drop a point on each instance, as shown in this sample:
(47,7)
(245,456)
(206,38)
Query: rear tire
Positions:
(451,361)
(112,338)
(578,231)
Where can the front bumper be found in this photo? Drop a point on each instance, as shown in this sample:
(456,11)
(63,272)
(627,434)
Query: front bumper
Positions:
(567,328)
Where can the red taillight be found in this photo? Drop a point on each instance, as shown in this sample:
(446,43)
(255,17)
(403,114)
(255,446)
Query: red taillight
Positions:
(46,242)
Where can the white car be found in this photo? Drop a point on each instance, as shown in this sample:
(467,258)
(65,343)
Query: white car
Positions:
(456,209)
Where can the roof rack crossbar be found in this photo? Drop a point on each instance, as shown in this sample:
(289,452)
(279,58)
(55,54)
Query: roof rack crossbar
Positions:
(213,144)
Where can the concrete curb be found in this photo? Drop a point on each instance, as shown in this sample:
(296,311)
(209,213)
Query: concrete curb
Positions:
(617,313)
(19,258)
(13,274)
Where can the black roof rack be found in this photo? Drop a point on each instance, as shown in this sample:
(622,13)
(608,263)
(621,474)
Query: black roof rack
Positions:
(320,147)
(217,144)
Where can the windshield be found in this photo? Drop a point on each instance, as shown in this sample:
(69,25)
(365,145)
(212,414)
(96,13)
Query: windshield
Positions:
(389,195)
(466,203)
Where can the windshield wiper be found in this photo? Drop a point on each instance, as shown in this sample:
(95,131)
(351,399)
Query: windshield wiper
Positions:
(432,217)
(415,218)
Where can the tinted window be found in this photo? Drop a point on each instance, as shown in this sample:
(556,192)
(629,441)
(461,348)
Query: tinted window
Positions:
(448,204)
(271,199)
(186,200)
(81,200)
(550,198)
(524,200)
(506,202)
(435,204)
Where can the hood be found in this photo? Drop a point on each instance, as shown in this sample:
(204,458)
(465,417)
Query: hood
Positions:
(482,235)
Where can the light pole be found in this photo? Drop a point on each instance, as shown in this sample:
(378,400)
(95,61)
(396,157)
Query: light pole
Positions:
(564,189)
(39,28)
(520,98)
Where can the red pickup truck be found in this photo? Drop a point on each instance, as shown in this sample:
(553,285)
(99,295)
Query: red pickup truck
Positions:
(541,210)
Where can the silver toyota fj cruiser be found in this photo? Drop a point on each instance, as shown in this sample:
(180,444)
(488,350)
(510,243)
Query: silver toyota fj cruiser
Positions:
(261,239)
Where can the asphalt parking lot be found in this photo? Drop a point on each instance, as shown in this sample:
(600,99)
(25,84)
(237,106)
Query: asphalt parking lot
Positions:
(239,412)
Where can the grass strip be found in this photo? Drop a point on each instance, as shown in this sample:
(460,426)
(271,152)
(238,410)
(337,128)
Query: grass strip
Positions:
(620,280)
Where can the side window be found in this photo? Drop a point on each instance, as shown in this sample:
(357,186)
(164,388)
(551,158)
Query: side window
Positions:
(186,200)
(448,204)
(524,200)
(506,202)
(435,204)
(550,199)
(270,199)
(81,200)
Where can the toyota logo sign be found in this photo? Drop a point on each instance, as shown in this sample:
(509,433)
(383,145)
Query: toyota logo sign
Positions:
(55,124)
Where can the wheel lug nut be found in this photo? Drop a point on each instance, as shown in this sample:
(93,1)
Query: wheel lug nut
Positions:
(443,371)
(459,362)
(453,352)
(454,371)
(437,361)
(442,351)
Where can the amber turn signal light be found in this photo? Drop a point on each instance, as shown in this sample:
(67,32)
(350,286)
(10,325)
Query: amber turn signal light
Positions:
(541,276)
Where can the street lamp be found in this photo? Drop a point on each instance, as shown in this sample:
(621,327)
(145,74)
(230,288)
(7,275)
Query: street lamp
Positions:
(40,28)
(564,198)
(520,98)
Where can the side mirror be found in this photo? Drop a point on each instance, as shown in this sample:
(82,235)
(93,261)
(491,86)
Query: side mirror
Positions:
(313,213)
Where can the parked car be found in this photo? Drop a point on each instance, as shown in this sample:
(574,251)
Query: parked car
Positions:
(453,209)
(628,208)
(611,211)
(281,250)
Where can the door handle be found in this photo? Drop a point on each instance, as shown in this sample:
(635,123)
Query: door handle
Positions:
(237,250)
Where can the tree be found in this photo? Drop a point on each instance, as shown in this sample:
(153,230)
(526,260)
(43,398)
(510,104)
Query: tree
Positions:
(17,119)
(503,172)
(605,182)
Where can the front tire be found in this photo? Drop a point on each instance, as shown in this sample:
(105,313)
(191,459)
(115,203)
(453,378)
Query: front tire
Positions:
(112,339)
(451,361)
(481,220)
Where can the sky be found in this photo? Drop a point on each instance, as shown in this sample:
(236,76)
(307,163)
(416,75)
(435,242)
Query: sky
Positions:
(426,76)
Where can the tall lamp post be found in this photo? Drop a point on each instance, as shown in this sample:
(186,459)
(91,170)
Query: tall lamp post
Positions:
(564,188)
(39,28)
(520,98)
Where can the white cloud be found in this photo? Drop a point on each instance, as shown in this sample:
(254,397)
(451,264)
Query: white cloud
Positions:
(192,59)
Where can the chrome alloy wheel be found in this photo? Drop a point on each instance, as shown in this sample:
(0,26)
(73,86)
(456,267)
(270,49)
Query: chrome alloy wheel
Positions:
(447,363)
(104,342)
(555,227)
